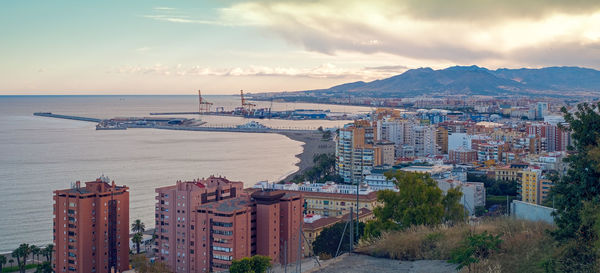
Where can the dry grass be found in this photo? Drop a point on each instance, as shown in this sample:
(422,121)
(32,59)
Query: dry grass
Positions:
(524,244)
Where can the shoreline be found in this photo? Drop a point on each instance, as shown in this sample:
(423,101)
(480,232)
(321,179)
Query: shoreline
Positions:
(313,144)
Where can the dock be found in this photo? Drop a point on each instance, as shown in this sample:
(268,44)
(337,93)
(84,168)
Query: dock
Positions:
(50,115)
(169,124)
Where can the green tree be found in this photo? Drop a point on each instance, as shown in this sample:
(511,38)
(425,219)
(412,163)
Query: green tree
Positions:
(329,239)
(138,226)
(35,251)
(47,252)
(2,262)
(255,264)
(243,265)
(137,240)
(11,262)
(21,254)
(474,248)
(418,201)
(582,181)
(453,210)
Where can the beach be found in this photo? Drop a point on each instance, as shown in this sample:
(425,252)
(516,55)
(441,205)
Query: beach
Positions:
(313,145)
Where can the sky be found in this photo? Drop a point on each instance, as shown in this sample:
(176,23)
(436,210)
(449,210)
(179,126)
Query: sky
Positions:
(178,47)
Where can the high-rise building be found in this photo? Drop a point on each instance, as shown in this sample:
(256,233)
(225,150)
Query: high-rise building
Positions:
(355,151)
(541,110)
(204,224)
(91,227)
(175,208)
(424,140)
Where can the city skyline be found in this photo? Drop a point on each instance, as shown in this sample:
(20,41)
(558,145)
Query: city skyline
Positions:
(175,47)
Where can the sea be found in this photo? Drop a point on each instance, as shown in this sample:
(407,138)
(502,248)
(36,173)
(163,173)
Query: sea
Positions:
(39,155)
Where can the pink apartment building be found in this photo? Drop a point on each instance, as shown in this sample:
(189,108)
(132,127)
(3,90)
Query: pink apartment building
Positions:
(204,224)
(91,228)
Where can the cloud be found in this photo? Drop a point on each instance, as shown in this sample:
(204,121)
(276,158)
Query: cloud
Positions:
(163,8)
(487,10)
(327,70)
(181,19)
(462,31)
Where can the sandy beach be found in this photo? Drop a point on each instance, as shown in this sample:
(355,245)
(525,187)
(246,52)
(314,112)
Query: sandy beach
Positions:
(313,145)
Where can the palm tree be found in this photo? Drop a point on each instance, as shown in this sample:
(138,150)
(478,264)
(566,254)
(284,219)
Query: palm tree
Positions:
(137,240)
(11,262)
(138,226)
(48,252)
(21,254)
(35,252)
(2,261)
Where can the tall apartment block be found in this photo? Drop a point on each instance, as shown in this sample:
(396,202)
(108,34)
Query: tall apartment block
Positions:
(217,222)
(174,210)
(91,228)
(356,152)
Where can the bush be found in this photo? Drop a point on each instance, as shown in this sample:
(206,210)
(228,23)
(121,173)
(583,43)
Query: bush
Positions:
(525,245)
(474,248)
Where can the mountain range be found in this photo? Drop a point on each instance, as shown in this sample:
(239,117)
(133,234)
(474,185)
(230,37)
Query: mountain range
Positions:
(475,80)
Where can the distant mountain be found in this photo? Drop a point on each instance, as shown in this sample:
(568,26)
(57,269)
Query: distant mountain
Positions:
(474,80)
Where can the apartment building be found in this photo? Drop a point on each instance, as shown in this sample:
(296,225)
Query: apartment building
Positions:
(175,207)
(356,151)
(91,227)
(205,224)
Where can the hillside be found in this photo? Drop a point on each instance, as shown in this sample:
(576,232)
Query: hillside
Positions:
(473,80)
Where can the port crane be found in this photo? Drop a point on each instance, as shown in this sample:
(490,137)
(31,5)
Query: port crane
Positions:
(203,106)
(245,104)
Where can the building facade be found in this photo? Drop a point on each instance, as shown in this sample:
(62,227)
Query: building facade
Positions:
(205,224)
(91,228)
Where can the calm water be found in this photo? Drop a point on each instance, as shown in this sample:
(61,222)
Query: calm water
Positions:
(39,155)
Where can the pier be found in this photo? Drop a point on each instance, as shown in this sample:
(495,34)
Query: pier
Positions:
(170,124)
(50,115)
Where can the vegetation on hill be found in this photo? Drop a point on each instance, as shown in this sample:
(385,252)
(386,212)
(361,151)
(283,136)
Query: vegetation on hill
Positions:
(516,246)
(419,201)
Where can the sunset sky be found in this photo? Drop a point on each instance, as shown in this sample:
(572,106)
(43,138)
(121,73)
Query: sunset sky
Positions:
(177,47)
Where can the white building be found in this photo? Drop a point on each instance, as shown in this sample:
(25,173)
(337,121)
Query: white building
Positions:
(377,181)
(473,192)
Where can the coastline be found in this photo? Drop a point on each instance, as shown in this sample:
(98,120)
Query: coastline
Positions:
(312,145)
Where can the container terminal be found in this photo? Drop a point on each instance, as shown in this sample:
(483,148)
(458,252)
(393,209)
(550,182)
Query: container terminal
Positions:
(247,110)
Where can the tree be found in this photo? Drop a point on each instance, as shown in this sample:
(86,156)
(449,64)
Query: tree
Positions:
(329,239)
(137,240)
(138,226)
(35,251)
(582,181)
(255,264)
(21,254)
(11,262)
(243,265)
(48,250)
(474,248)
(418,201)
(2,262)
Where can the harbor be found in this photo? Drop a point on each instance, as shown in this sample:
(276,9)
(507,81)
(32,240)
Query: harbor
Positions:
(183,124)
(248,109)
